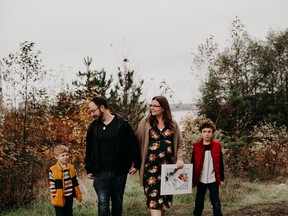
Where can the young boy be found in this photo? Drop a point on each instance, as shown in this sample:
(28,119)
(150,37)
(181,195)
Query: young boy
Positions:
(208,169)
(63,183)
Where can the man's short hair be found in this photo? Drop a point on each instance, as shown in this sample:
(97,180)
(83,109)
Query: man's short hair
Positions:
(207,124)
(59,149)
(100,100)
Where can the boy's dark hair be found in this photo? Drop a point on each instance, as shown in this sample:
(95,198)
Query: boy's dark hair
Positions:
(100,100)
(207,124)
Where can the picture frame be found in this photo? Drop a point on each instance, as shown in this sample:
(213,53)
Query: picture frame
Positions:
(175,181)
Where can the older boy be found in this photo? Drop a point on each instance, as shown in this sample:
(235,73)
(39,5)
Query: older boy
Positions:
(63,183)
(208,169)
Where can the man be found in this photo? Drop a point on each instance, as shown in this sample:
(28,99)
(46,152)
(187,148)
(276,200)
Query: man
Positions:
(112,151)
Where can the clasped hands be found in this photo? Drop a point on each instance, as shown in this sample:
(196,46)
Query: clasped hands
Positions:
(132,170)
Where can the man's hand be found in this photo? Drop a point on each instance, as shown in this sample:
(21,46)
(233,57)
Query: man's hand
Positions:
(132,170)
(90,176)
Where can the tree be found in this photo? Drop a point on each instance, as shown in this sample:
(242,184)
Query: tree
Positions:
(66,104)
(125,97)
(213,96)
(23,73)
(95,82)
(247,82)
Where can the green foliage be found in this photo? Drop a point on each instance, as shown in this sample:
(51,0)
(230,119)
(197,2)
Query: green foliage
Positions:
(125,98)
(212,102)
(95,82)
(247,82)
(65,104)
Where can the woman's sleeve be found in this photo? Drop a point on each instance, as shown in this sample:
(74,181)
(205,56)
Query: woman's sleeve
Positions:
(180,145)
(139,132)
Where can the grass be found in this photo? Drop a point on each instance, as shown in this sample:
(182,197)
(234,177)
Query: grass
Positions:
(235,194)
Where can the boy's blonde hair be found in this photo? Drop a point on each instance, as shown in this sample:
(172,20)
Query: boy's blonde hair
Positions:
(59,149)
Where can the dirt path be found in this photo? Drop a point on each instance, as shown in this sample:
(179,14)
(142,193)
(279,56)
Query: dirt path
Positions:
(274,209)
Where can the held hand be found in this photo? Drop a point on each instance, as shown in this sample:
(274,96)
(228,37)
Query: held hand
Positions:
(179,164)
(90,176)
(132,170)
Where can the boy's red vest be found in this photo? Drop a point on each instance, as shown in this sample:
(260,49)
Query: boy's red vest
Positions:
(199,152)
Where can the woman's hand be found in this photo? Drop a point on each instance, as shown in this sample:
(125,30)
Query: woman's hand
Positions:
(179,164)
(132,170)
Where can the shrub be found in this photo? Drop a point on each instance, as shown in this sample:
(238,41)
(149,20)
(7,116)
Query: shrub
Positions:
(20,173)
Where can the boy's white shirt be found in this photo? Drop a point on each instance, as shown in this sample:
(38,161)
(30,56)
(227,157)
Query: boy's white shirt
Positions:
(208,172)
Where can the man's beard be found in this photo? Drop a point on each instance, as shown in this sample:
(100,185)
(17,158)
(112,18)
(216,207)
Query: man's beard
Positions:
(100,117)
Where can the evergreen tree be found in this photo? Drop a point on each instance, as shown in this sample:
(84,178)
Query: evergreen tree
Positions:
(92,82)
(125,98)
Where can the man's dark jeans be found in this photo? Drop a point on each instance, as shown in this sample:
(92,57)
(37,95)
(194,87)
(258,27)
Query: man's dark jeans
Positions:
(214,198)
(107,185)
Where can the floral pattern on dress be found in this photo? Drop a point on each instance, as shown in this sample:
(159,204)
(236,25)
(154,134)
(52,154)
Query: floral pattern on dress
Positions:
(160,151)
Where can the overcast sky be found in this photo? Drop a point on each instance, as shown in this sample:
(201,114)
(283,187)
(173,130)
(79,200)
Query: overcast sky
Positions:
(157,36)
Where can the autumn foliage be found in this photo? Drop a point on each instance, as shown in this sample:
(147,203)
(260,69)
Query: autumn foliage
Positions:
(34,122)
(23,167)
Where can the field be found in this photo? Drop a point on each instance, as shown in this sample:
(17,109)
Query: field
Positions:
(238,198)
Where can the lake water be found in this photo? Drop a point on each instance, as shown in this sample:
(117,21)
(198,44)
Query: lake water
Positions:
(179,115)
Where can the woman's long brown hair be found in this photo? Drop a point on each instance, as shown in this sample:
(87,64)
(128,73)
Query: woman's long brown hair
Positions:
(167,115)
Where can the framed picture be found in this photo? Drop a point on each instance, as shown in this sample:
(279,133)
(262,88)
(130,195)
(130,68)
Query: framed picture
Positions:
(175,181)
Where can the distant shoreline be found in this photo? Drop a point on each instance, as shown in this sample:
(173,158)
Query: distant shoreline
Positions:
(183,107)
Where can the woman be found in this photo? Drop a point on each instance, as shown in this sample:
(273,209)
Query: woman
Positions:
(160,143)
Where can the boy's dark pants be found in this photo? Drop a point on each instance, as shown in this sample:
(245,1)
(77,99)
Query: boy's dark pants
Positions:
(214,198)
(67,210)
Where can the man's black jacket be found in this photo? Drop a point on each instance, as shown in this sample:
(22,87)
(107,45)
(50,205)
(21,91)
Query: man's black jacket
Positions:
(127,150)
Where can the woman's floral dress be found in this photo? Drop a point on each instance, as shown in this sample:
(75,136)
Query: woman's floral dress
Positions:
(160,151)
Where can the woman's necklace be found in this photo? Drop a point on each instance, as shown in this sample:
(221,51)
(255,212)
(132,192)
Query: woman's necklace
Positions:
(161,125)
